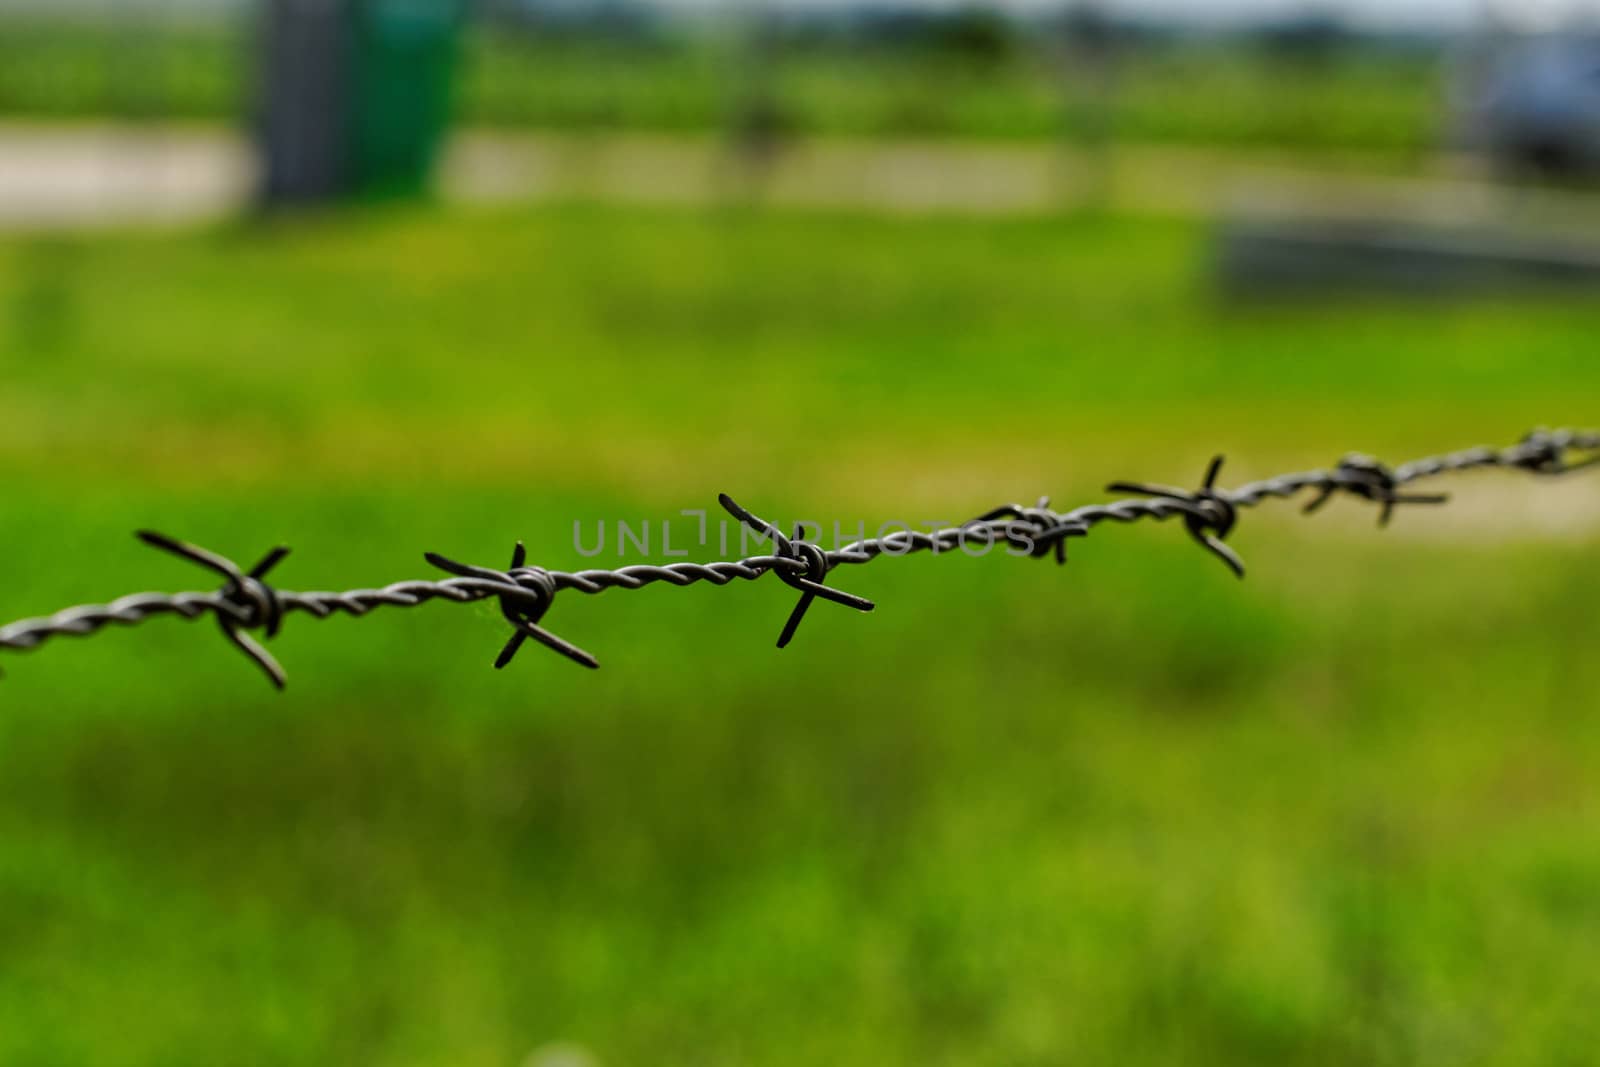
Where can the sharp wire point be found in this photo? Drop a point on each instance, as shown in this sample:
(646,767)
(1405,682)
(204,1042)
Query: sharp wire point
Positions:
(1324,494)
(509,652)
(269,561)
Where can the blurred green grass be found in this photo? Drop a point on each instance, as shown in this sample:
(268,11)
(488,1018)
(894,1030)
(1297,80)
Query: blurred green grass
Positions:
(1365,99)
(1129,810)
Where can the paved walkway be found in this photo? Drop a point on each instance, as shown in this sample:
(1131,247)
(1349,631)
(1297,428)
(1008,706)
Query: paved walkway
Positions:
(87,176)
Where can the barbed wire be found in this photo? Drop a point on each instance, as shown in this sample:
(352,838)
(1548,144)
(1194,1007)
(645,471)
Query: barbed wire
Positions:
(247,604)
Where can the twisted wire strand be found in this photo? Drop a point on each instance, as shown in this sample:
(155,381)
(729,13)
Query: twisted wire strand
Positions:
(247,603)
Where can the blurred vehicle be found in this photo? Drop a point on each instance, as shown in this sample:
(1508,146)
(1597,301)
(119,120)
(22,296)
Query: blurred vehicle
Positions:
(1531,105)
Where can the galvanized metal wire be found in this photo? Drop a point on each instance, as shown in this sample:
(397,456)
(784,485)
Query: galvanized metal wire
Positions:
(247,607)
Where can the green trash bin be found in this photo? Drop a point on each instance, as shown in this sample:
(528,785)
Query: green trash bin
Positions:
(403,59)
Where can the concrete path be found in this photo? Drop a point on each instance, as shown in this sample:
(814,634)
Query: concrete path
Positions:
(55,177)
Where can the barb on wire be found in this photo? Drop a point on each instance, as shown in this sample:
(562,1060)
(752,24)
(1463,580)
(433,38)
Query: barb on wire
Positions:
(525,594)
(247,604)
(1364,477)
(255,603)
(1545,452)
(808,581)
(1209,515)
(1042,531)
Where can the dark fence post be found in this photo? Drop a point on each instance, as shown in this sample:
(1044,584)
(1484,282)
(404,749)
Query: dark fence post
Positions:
(305,104)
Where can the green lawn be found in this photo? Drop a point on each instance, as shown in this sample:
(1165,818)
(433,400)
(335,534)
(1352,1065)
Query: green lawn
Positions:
(1130,811)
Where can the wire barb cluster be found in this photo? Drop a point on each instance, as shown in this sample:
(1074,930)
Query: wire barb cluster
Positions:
(247,604)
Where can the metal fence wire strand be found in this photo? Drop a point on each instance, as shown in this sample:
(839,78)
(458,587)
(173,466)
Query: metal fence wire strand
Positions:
(249,610)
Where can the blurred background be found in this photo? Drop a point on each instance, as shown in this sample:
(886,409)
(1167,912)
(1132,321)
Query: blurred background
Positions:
(378,276)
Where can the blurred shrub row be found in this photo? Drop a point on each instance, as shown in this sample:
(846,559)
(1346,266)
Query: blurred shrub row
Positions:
(1358,97)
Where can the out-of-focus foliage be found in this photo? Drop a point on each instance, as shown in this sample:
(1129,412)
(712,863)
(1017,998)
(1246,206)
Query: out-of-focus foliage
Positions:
(1372,101)
(128,68)
(970,81)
